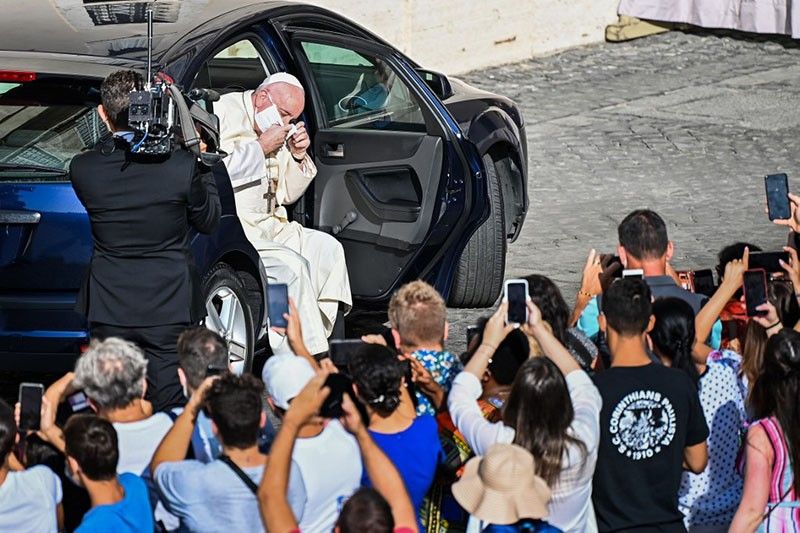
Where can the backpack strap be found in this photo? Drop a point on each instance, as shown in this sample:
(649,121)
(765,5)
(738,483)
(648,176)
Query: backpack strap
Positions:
(240,473)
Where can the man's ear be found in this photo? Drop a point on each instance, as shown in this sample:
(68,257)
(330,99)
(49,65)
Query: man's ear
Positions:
(670,250)
(396,337)
(446,330)
(601,321)
(215,431)
(103,113)
(263,420)
(486,376)
(144,389)
(92,405)
(623,256)
(651,323)
(74,467)
(182,378)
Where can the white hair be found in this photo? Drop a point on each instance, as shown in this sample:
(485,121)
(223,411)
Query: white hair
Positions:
(280,77)
(112,373)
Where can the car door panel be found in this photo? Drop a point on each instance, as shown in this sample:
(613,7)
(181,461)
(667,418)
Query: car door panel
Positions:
(379,168)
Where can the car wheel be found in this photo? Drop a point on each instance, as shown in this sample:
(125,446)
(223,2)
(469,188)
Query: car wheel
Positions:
(229,315)
(480,271)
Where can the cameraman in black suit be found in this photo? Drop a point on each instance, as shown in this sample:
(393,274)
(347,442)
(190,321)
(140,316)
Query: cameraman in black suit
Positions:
(142,284)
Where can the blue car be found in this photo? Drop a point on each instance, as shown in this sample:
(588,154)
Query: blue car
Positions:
(420,176)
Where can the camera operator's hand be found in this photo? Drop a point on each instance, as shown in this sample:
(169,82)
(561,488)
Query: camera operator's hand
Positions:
(794,220)
(496,329)
(272,139)
(590,279)
(195,402)
(300,141)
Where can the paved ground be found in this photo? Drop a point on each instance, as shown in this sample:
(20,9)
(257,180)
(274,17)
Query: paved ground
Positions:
(686,124)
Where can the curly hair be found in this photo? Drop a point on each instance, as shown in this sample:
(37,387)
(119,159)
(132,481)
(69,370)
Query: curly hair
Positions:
(378,374)
(112,373)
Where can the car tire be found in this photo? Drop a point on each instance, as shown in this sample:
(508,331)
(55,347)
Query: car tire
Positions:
(479,275)
(229,315)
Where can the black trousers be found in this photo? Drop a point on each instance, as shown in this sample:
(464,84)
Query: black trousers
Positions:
(159,344)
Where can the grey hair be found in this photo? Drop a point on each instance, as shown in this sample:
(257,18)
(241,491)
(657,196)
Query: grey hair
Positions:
(112,373)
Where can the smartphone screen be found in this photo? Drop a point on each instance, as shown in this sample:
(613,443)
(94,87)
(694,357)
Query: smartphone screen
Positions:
(777,186)
(517,297)
(278,304)
(30,400)
(633,273)
(342,350)
(755,291)
(704,282)
(339,385)
(472,332)
(78,402)
(768,261)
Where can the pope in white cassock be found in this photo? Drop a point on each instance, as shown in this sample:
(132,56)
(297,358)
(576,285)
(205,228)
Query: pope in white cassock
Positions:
(269,167)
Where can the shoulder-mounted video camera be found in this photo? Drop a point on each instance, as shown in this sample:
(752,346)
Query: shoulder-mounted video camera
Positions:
(161,115)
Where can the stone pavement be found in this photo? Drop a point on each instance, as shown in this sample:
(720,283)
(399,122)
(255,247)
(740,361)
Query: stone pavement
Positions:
(685,124)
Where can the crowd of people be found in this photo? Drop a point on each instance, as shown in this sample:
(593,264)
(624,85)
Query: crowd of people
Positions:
(645,407)
(645,421)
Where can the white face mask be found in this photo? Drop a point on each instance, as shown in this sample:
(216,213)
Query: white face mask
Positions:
(268,117)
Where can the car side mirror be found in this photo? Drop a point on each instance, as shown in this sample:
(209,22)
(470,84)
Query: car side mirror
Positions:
(437,82)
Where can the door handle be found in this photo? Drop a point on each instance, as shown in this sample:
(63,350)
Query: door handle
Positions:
(334,150)
(19,217)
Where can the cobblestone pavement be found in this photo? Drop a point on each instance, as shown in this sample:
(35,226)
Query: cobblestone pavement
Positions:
(686,124)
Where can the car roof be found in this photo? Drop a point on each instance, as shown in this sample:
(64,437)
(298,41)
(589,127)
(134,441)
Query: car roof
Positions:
(110,28)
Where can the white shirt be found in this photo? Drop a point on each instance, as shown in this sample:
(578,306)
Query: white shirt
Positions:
(570,508)
(137,443)
(329,466)
(28,501)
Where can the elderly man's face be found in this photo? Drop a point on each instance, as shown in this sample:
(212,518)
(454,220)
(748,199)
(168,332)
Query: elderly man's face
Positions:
(289,100)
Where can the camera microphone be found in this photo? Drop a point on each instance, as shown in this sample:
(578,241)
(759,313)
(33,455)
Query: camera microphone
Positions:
(208,95)
(348,219)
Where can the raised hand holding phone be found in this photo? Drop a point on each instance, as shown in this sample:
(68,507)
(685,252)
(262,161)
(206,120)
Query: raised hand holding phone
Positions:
(30,401)
(777,189)
(516,299)
(755,291)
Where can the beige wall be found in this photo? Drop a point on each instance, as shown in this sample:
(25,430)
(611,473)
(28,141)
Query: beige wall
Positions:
(456,36)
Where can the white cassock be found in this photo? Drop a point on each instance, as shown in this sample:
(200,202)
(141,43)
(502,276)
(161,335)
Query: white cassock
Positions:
(310,262)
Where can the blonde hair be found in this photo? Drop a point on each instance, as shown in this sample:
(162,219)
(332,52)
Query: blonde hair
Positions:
(418,313)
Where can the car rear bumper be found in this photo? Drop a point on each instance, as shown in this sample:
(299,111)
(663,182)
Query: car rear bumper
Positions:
(40,332)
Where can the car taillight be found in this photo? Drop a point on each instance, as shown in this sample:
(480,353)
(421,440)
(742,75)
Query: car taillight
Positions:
(16,76)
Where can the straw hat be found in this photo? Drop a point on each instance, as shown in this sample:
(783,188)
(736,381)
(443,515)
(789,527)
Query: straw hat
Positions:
(501,487)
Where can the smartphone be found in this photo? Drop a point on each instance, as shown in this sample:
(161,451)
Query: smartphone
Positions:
(516,295)
(755,290)
(277,304)
(777,186)
(78,402)
(637,273)
(339,385)
(342,350)
(768,261)
(215,370)
(472,332)
(703,282)
(30,401)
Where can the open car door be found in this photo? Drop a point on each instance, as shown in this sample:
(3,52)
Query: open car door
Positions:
(380,153)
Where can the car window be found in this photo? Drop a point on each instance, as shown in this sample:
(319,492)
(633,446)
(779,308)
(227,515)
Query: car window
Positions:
(47,122)
(361,90)
(237,67)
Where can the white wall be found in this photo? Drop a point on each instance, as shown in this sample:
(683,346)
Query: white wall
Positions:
(456,36)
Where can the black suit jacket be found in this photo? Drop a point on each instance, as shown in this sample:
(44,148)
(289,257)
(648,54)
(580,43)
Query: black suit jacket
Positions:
(141,211)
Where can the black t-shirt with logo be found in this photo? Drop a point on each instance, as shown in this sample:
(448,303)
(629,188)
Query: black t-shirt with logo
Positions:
(650,414)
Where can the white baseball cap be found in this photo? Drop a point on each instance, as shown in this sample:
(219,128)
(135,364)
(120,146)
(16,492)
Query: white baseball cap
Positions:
(284,376)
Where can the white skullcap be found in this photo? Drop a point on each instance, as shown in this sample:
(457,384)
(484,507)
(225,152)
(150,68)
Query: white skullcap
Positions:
(281,77)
